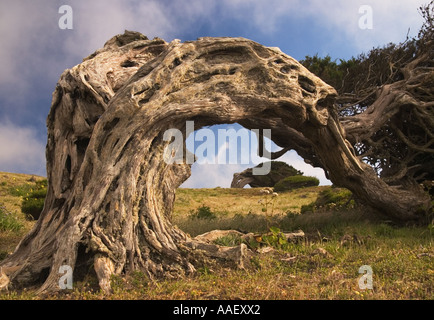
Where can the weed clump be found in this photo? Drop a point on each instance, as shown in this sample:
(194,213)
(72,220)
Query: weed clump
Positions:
(34,203)
(331,199)
(33,195)
(8,221)
(203,212)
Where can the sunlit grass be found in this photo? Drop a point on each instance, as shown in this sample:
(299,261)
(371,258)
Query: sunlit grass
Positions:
(323,266)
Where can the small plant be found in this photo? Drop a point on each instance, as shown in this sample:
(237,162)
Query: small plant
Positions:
(33,203)
(431,228)
(139,280)
(384,230)
(205,271)
(228,241)
(275,239)
(33,197)
(27,188)
(117,283)
(8,221)
(203,212)
(268,202)
(308,208)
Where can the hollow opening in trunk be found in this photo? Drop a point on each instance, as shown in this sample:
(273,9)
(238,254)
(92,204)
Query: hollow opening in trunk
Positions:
(84,270)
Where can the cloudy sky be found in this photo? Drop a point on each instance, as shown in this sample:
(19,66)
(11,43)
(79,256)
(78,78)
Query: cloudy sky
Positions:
(34,51)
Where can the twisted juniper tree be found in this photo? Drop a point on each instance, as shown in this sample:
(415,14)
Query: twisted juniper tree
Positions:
(111,192)
(386,104)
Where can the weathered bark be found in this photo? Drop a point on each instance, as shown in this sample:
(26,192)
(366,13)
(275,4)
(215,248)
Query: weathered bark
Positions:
(111,193)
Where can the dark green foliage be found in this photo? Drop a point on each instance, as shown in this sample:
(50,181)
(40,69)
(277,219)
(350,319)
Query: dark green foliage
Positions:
(33,203)
(8,221)
(331,72)
(275,238)
(229,241)
(338,196)
(358,78)
(295,182)
(282,168)
(25,189)
(278,171)
(308,208)
(405,139)
(331,199)
(203,212)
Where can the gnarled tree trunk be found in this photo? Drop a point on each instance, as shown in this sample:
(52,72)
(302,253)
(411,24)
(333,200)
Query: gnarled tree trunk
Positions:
(111,193)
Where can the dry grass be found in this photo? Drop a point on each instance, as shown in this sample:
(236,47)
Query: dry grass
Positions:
(324,266)
(241,201)
(13,187)
(15,181)
(243,209)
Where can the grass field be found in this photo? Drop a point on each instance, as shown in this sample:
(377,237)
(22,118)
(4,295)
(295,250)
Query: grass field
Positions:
(14,224)
(325,265)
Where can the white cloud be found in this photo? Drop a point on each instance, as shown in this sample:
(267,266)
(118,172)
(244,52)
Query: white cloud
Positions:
(26,36)
(391,20)
(220,175)
(340,18)
(263,14)
(212,175)
(216,172)
(213,170)
(20,151)
(34,48)
(97,21)
(33,43)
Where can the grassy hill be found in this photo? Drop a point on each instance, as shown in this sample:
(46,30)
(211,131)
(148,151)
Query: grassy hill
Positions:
(340,238)
(14,224)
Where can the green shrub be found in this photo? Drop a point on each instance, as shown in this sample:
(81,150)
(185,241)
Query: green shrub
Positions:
(308,208)
(295,182)
(278,171)
(25,189)
(335,197)
(228,241)
(331,199)
(33,204)
(275,238)
(203,212)
(385,230)
(8,221)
